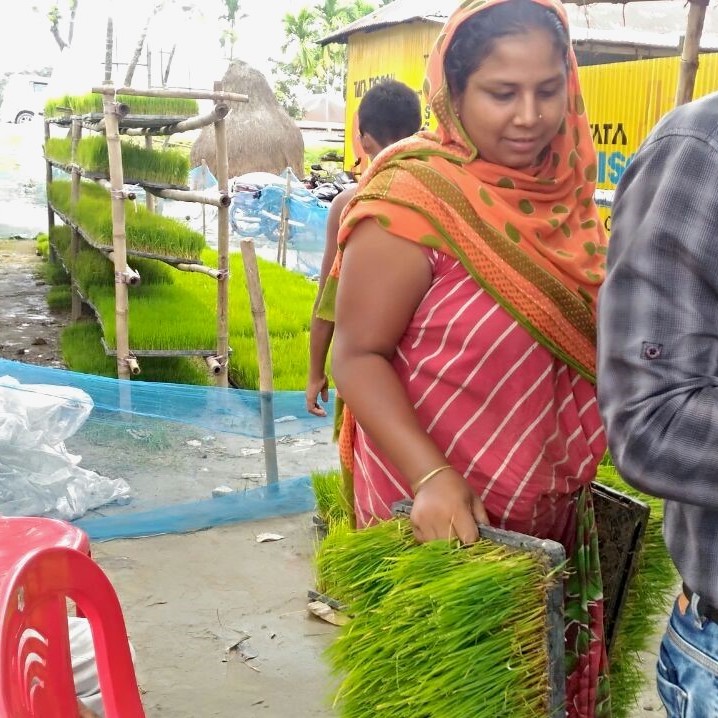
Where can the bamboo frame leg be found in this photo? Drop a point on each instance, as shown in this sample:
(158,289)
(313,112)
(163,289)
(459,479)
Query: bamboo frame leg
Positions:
(220,136)
(691,48)
(75,134)
(119,242)
(50,213)
(264,358)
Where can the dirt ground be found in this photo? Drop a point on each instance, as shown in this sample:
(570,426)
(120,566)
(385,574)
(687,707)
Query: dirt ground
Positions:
(218,620)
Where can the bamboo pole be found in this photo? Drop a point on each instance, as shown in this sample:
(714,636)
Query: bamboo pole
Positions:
(691,48)
(217,95)
(119,242)
(220,138)
(183,195)
(284,223)
(133,276)
(199,269)
(219,112)
(106,184)
(50,212)
(76,133)
(264,357)
(149,197)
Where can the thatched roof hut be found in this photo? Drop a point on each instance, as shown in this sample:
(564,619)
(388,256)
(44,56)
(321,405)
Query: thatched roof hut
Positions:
(261,137)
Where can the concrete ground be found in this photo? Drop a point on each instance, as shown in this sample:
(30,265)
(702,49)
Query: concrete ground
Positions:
(188,598)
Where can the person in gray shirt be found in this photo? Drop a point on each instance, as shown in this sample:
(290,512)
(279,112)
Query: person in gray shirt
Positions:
(658,375)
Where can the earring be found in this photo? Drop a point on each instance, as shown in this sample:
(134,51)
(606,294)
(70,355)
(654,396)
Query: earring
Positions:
(540,117)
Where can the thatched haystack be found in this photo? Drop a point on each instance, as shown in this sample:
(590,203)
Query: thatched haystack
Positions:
(261,137)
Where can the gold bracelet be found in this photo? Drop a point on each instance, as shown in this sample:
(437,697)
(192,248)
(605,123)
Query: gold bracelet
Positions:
(430,475)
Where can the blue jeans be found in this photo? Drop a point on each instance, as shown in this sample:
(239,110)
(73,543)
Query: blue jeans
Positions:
(687,672)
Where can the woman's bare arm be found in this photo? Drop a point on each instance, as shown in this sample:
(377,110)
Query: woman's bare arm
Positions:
(383,280)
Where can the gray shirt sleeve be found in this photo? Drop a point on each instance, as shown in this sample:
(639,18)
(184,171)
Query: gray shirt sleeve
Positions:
(658,317)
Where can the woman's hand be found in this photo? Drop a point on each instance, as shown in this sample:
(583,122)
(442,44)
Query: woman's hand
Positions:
(84,712)
(445,507)
(317,387)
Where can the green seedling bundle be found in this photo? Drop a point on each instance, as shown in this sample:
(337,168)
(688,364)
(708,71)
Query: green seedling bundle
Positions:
(174,310)
(332,507)
(353,567)
(166,167)
(145,231)
(437,630)
(82,351)
(92,103)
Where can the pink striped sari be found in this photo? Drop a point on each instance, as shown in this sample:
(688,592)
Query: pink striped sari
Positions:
(522,426)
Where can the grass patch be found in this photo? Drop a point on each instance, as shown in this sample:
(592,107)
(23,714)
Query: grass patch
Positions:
(42,245)
(59,298)
(92,103)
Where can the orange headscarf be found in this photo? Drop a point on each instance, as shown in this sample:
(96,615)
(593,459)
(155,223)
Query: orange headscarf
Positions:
(533,240)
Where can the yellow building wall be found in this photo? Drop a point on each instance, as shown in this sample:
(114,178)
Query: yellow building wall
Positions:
(624,100)
(398,53)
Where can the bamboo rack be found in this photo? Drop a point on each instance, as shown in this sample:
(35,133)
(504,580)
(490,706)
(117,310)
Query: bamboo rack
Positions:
(114,121)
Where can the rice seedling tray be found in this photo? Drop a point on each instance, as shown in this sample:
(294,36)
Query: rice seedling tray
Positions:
(554,556)
(108,248)
(163,352)
(621,523)
(89,174)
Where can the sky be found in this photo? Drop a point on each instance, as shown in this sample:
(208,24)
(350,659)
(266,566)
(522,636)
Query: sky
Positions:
(26,43)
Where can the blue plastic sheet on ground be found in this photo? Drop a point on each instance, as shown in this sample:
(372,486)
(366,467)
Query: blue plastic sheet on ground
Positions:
(233,411)
(290,496)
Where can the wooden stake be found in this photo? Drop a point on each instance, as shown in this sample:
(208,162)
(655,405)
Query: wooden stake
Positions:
(76,133)
(119,242)
(284,223)
(264,357)
(50,212)
(691,48)
(220,137)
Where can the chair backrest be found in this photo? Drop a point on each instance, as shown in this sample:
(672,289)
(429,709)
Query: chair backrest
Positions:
(35,665)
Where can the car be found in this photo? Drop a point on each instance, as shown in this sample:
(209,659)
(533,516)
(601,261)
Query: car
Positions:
(23,98)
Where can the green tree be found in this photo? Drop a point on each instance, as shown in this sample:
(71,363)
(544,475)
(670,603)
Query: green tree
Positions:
(311,66)
(57,17)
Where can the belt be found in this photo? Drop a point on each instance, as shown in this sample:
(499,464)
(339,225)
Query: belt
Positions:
(704,608)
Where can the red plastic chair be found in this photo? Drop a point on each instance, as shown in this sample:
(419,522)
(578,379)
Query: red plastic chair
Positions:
(35,666)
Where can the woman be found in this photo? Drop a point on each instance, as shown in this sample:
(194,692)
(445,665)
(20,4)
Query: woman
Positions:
(465,310)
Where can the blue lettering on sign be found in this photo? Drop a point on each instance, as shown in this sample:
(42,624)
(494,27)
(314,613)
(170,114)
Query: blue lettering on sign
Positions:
(611,166)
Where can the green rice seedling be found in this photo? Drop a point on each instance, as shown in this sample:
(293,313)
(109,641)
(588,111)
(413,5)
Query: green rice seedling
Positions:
(59,149)
(647,603)
(139,164)
(54,273)
(59,298)
(83,352)
(145,231)
(332,505)
(439,630)
(42,245)
(92,103)
(352,566)
(91,267)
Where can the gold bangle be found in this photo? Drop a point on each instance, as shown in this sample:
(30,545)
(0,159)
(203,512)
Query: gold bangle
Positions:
(430,475)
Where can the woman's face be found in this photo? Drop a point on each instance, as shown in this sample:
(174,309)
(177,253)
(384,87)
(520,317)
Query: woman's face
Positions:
(515,101)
